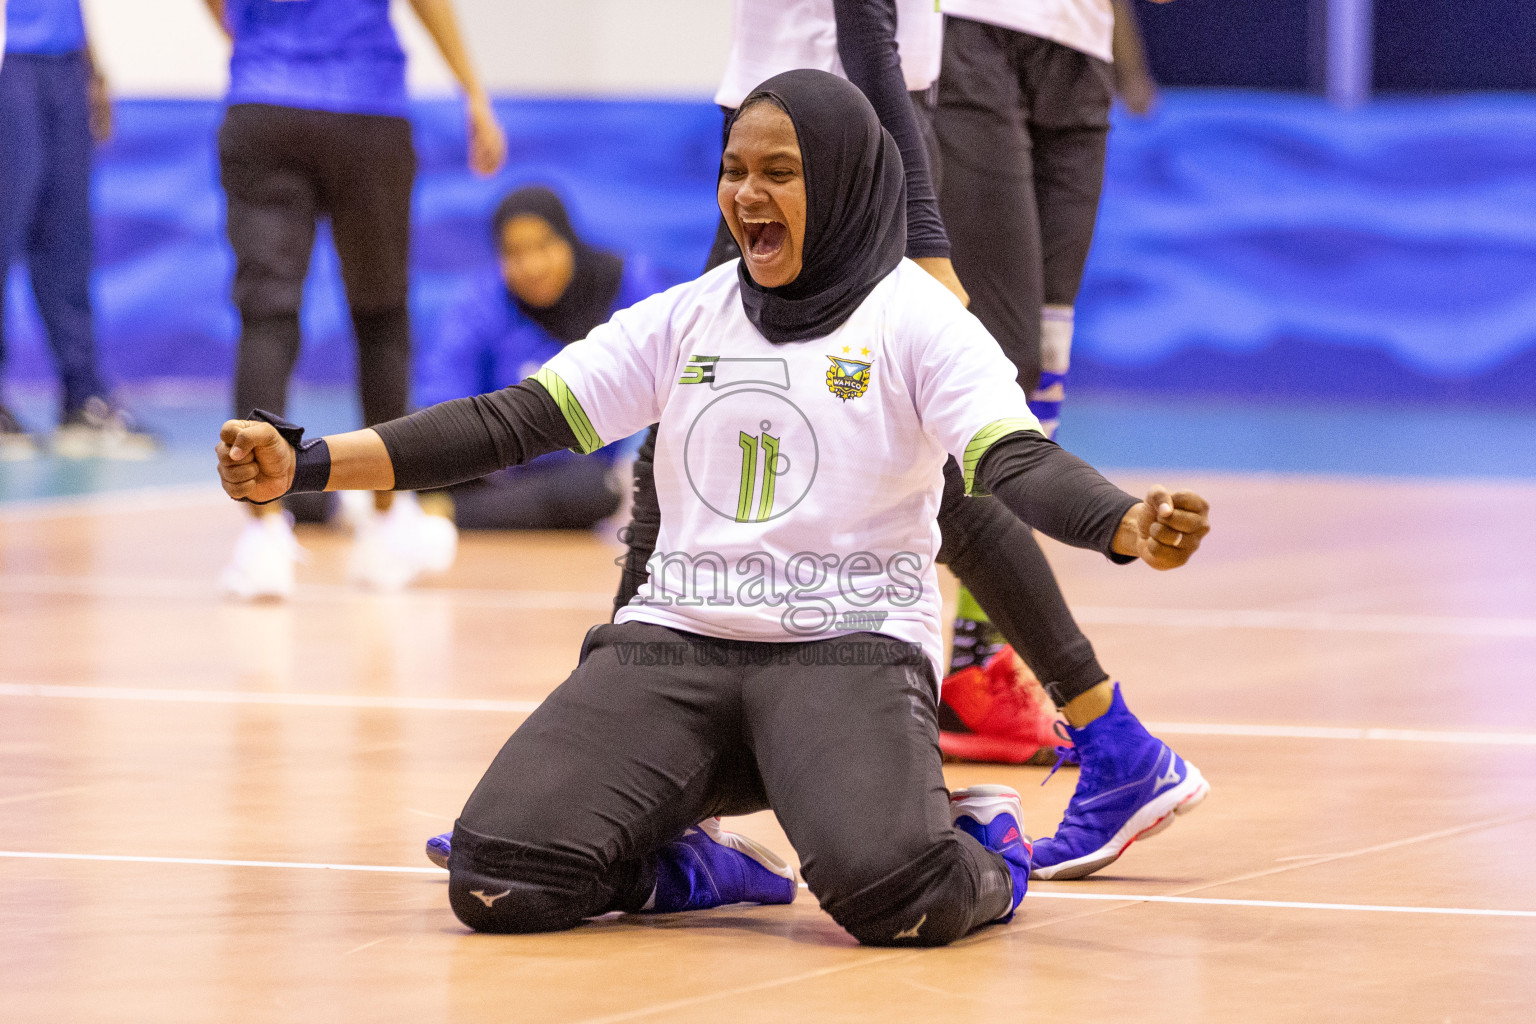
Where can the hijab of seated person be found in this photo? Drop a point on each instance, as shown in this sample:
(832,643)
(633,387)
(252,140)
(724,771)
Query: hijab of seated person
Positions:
(550,288)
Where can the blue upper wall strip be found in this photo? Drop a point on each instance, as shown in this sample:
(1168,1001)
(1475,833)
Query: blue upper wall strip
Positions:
(1249,244)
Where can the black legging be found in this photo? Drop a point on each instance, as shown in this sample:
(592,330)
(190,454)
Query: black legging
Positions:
(1022,123)
(624,755)
(283,169)
(569,493)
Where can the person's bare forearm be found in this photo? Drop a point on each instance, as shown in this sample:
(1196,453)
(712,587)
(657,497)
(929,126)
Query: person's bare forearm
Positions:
(216,8)
(100,98)
(359,462)
(443,26)
(943,270)
(1130,56)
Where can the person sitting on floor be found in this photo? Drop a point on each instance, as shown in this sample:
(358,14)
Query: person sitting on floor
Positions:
(552,288)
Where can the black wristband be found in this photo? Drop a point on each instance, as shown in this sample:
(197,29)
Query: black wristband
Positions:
(312,469)
(312,459)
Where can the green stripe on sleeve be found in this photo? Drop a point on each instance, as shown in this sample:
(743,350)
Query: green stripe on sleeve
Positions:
(985,438)
(587,440)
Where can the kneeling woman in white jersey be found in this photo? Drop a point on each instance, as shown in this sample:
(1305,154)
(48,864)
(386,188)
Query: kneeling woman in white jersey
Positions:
(784,653)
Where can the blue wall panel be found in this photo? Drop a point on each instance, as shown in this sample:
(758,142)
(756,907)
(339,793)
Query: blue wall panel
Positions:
(1249,244)
(1269,244)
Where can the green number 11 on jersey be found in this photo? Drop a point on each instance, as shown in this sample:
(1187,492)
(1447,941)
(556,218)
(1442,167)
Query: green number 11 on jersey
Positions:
(751,444)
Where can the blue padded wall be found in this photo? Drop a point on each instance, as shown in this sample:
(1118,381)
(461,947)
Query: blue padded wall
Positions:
(1267,244)
(1250,244)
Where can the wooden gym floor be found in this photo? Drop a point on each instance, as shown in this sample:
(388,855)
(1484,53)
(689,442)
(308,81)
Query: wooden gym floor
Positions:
(214,812)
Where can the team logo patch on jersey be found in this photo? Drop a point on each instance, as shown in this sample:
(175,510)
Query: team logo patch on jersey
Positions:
(700,370)
(847,378)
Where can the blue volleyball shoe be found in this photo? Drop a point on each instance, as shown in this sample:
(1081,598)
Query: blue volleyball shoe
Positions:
(1132,786)
(993,817)
(705,867)
(438,848)
(709,867)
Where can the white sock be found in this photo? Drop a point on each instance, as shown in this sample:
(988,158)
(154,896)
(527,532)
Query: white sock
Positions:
(1055,358)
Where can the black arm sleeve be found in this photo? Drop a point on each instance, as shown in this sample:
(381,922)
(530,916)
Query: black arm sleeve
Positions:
(866,44)
(470,437)
(1055,492)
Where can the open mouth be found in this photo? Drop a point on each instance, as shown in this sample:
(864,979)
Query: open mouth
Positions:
(764,237)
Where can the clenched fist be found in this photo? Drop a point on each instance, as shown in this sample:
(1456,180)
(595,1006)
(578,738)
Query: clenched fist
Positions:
(1165,530)
(255,463)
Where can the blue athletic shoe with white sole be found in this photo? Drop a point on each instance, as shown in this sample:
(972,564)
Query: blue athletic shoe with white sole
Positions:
(438,848)
(1132,785)
(992,816)
(710,867)
(706,867)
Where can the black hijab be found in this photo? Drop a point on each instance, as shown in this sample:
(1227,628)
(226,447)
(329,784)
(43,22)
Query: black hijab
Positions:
(588,299)
(855,208)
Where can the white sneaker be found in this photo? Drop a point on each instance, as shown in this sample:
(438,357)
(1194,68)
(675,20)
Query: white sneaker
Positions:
(262,565)
(101,430)
(16,445)
(437,543)
(354,508)
(385,554)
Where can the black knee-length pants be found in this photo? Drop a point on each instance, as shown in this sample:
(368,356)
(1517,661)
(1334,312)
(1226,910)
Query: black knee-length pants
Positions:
(1022,124)
(658,729)
(283,168)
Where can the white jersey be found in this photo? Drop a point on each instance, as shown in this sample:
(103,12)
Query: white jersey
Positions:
(1087,26)
(799,484)
(769,37)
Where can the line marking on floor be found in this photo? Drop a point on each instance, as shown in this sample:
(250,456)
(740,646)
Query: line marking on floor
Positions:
(1300,864)
(1104,897)
(1324,622)
(142,588)
(407,703)
(1279,904)
(135,588)
(307,700)
(1332,732)
(215,862)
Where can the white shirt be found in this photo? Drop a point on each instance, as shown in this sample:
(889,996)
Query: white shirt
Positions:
(1087,26)
(799,484)
(769,37)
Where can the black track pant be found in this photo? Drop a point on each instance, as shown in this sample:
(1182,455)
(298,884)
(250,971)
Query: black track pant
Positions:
(623,757)
(1022,124)
(565,494)
(282,169)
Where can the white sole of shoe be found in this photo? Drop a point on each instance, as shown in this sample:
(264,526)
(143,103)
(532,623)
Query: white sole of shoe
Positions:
(1151,819)
(18,448)
(751,848)
(986,802)
(76,443)
(237,588)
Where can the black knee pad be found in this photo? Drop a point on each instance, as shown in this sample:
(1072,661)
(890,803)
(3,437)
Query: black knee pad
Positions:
(501,887)
(930,902)
(506,906)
